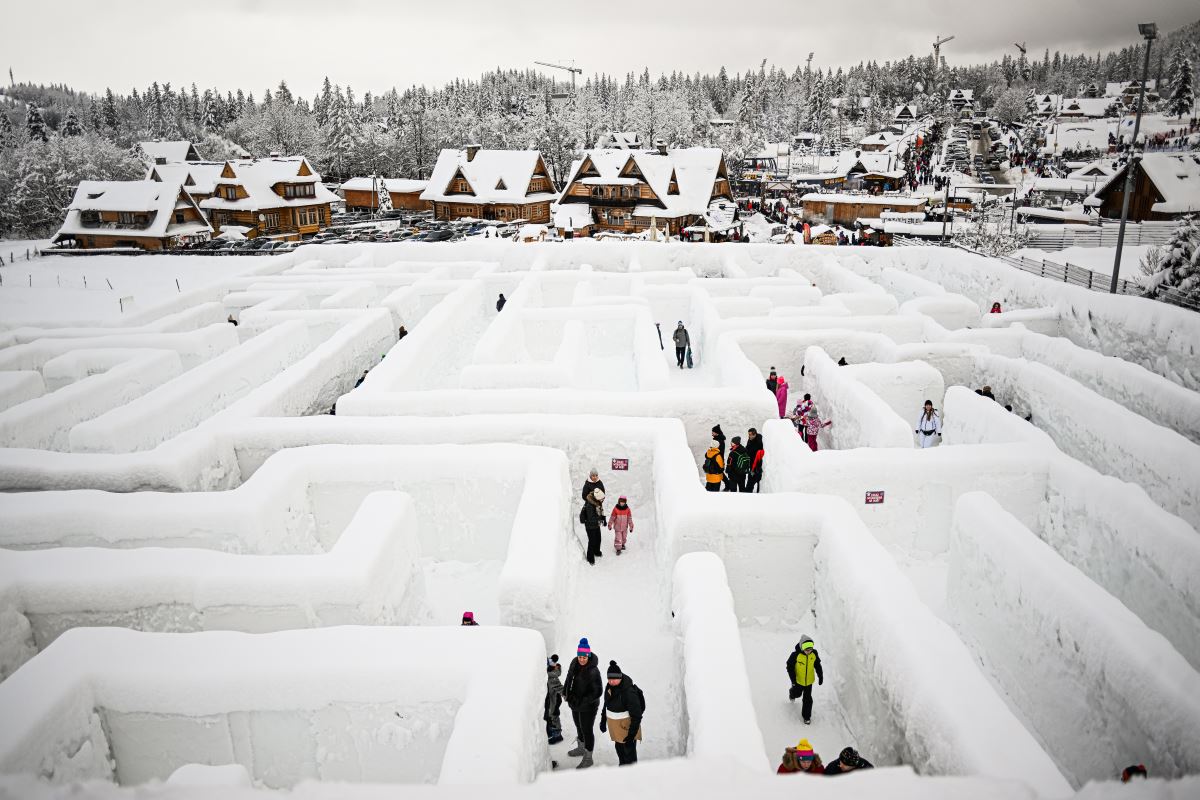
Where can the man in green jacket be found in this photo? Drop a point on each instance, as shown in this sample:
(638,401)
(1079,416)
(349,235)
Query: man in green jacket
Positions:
(803,665)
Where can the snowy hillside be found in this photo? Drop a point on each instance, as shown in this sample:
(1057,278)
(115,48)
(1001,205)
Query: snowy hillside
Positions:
(243,518)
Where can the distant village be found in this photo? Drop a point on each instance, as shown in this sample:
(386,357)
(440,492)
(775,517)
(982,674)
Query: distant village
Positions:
(922,173)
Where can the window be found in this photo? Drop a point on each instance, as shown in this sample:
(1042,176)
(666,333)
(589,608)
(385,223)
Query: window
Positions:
(299,190)
(89,217)
(178,217)
(272,220)
(229,192)
(127,218)
(308,216)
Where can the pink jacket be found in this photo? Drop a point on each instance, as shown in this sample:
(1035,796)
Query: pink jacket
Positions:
(781,389)
(621,521)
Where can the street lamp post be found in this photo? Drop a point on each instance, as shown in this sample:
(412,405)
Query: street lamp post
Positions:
(1149,32)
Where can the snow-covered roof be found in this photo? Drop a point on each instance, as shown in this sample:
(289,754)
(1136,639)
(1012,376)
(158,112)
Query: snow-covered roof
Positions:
(157,199)
(882,137)
(496,176)
(1055,214)
(914,228)
(1117,88)
(394,185)
(962,94)
(695,170)
(1095,107)
(170,152)
(573,216)
(1176,176)
(869,199)
(907,110)
(1091,170)
(619,140)
(198,177)
(259,176)
(1080,186)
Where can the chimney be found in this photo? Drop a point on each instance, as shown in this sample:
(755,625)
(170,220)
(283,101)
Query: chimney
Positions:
(471,149)
(661,145)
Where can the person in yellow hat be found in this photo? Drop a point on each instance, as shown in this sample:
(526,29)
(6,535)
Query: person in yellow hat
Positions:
(801,758)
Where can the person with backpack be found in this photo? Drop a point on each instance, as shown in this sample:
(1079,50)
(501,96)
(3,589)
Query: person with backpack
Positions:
(798,414)
(582,691)
(714,467)
(737,467)
(624,706)
(682,342)
(929,424)
(848,761)
(554,698)
(592,515)
(812,427)
(754,449)
(621,523)
(803,666)
(801,758)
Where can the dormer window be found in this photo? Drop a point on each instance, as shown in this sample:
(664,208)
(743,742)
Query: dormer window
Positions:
(299,190)
(229,192)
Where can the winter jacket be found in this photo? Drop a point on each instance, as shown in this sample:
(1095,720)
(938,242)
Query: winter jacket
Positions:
(719,437)
(933,425)
(781,393)
(714,465)
(739,462)
(681,338)
(589,485)
(584,685)
(623,699)
(813,424)
(754,449)
(802,666)
(799,412)
(836,768)
(591,516)
(789,764)
(621,520)
(554,692)
(772,384)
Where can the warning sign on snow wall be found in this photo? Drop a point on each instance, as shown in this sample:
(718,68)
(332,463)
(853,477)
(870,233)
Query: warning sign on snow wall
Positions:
(620,464)
(874,497)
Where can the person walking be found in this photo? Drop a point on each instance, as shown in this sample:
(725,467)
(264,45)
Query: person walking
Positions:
(624,706)
(754,449)
(591,515)
(554,698)
(848,761)
(781,392)
(801,758)
(812,427)
(995,309)
(682,342)
(772,381)
(803,665)
(621,523)
(714,467)
(929,424)
(719,437)
(582,691)
(592,483)
(500,304)
(799,413)
(737,467)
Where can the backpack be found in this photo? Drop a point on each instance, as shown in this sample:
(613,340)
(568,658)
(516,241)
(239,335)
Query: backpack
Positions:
(582,512)
(710,466)
(641,697)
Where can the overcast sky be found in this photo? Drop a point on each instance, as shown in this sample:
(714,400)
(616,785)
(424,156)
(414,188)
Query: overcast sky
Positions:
(376,44)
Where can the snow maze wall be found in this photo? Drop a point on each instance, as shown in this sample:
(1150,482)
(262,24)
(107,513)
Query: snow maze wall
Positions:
(201,565)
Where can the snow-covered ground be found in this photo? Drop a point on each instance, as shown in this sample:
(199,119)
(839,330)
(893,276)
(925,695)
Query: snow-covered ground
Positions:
(301,575)
(1096,259)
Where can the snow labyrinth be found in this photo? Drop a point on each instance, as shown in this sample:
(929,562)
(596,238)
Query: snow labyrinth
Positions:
(199,564)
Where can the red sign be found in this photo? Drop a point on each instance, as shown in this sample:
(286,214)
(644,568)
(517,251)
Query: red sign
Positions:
(874,497)
(620,463)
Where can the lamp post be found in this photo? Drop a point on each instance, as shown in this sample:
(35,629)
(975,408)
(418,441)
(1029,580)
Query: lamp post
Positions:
(1149,32)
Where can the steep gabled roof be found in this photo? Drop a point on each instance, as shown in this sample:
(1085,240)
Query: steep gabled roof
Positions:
(158,199)
(170,152)
(695,170)
(258,176)
(497,176)
(198,177)
(1175,176)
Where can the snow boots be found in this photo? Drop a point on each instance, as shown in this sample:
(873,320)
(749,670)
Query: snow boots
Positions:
(577,750)
(586,761)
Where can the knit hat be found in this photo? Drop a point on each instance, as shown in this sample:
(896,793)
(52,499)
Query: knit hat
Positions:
(806,643)
(613,670)
(715,445)
(468,616)
(849,757)
(736,440)
(716,429)
(622,499)
(584,648)
(552,663)
(804,750)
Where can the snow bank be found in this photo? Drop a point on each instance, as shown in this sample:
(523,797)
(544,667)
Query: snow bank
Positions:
(109,379)
(17,386)
(341,704)
(1096,684)
(1104,434)
(721,720)
(194,347)
(951,311)
(971,418)
(184,402)
(860,417)
(904,386)
(943,717)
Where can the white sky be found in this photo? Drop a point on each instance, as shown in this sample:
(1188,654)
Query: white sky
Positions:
(375,44)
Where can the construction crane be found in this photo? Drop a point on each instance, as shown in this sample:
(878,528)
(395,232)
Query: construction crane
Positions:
(1020,47)
(937,50)
(574,70)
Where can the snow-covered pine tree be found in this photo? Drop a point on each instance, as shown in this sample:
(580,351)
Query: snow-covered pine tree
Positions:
(7,138)
(110,110)
(385,198)
(1179,270)
(1182,96)
(209,119)
(71,126)
(35,125)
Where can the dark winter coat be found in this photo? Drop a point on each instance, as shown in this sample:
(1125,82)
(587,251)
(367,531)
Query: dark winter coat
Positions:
(592,517)
(584,685)
(624,697)
(589,485)
(719,437)
(772,385)
(554,692)
(739,461)
(681,337)
(805,679)
(836,768)
(754,450)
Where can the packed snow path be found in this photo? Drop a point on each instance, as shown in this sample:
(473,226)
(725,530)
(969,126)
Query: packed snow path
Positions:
(1092,502)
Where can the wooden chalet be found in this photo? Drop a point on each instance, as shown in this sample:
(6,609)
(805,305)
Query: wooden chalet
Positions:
(361,194)
(1166,186)
(504,185)
(148,215)
(962,101)
(625,191)
(169,152)
(620,140)
(278,197)
(199,178)
(846,209)
(877,142)
(905,114)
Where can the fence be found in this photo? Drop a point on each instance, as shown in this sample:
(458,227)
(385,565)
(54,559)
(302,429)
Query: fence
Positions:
(1104,235)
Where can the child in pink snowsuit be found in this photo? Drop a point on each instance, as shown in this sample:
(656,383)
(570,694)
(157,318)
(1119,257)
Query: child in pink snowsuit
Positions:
(812,426)
(620,522)
(781,388)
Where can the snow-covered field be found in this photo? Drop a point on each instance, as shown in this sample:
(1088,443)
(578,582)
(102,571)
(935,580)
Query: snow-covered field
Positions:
(1096,259)
(200,566)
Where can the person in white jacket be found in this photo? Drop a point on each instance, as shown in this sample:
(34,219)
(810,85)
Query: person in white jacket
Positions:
(929,426)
